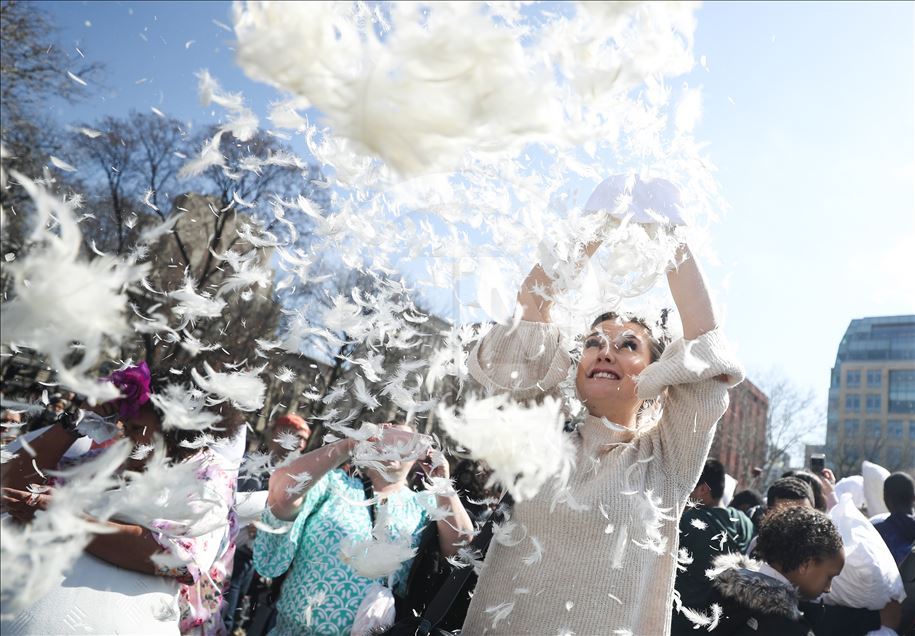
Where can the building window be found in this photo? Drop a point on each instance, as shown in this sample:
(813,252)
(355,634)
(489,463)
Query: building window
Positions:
(912,431)
(853,378)
(853,402)
(874,377)
(894,456)
(873,402)
(851,428)
(894,429)
(902,391)
(873,429)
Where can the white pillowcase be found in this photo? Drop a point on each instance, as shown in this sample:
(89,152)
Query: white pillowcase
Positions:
(874,475)
(871,577)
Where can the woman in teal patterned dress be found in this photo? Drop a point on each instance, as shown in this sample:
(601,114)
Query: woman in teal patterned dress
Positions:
(321,593)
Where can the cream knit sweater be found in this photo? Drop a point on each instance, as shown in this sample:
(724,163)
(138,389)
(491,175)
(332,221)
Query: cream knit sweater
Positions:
(599,557)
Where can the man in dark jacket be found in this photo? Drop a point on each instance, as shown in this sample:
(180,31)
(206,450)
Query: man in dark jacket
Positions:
(707,530)
(898,530)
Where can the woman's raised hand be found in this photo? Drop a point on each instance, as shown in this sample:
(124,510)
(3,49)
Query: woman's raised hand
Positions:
(434,464)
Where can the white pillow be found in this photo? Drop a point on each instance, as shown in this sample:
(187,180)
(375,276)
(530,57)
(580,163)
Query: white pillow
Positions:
(874,475)
(853,486)
(730,485)
(95,597)
(870,578)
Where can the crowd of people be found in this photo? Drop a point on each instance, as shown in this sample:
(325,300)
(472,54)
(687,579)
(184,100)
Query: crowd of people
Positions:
(639,539)
(773,557)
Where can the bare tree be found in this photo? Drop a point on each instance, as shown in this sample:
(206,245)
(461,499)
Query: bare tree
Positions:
(136,184)
(33,67)
(846,459)
(848,454)
(113,156)
(794,413)
(161,144)
(256,173)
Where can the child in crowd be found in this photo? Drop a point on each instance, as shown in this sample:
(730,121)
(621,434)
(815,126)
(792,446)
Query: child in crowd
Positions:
(800,551)
(898,529)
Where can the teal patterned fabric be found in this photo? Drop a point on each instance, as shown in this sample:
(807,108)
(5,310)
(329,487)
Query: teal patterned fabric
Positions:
(321,593)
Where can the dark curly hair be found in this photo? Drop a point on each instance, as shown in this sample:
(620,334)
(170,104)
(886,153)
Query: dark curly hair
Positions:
(749,498)
(816,486)
(793,536)
(792,488)
(713,476)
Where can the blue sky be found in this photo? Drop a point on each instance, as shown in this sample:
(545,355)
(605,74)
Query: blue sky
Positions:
(807,111)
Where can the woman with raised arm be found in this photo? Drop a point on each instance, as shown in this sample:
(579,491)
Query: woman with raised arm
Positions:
(326,507)
(601,553)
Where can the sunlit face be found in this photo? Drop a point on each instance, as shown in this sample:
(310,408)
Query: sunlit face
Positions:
(397,470)
(613,355)
(815,576)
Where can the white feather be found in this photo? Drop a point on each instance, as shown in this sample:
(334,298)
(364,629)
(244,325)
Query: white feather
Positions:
(184,408)
(285,375)
(499,612)
(364,395)
(536,555)
(193,306)
(76,78)
(61,164)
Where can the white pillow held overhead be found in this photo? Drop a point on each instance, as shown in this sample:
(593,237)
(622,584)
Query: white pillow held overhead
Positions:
(874,475)
(853,486)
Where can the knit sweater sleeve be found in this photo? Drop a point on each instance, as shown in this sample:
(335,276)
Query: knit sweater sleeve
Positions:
(696,375)
(526,361)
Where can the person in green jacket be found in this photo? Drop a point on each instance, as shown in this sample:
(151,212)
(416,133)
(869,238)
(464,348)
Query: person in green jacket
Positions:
(708,529)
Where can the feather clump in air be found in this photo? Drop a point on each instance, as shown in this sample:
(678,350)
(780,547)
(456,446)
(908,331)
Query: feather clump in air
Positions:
(376,557)
(439,83)
(60,298)
(524,446)
(244,389)
(34,555)
(184,408)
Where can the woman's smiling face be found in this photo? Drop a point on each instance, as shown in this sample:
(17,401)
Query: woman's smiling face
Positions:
(613,355)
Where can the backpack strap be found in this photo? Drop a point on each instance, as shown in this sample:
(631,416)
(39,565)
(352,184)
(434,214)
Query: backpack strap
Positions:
(446,596)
